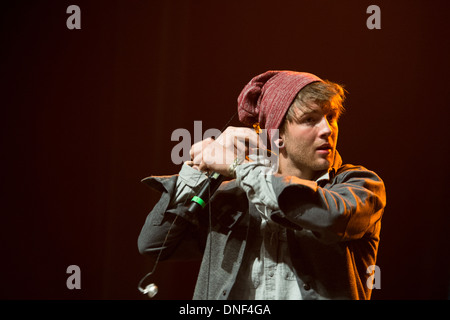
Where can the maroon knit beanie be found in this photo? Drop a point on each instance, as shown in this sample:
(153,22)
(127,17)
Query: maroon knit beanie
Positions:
(268,96)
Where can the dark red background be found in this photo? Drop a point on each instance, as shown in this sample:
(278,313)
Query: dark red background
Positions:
(87,113)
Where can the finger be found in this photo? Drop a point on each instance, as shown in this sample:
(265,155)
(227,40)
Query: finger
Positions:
(236,142)
(203,167)
(198,159)
(198,147)
(241,150)
(245,135)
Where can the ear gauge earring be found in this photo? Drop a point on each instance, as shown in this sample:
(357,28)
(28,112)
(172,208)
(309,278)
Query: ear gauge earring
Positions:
(279,143)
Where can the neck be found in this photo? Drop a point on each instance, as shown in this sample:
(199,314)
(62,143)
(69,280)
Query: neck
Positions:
(288,169)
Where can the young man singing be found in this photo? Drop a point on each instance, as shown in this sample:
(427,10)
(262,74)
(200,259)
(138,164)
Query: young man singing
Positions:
(307,230)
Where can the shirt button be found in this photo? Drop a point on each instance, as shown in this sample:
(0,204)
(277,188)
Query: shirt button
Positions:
(224,292)
(306,286)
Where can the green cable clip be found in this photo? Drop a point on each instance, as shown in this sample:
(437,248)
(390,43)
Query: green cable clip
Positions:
(199,201)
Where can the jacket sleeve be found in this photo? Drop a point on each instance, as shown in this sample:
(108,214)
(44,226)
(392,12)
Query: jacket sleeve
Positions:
(345,209)
(167,224)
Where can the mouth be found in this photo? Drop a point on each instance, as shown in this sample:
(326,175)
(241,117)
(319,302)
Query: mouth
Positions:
(324,148)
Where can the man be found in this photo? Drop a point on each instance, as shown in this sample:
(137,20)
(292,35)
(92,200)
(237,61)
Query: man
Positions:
(308,230)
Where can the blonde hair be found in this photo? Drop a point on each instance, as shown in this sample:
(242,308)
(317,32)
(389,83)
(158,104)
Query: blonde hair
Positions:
(328,95)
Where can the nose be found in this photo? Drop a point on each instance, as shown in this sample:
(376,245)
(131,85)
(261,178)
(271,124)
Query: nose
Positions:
(325,127)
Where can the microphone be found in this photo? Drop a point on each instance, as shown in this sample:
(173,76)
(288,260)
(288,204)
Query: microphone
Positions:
(210,186)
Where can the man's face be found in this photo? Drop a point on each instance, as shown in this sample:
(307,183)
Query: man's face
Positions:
(310,142)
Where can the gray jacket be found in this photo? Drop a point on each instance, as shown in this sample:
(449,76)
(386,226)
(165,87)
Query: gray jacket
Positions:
(333,230)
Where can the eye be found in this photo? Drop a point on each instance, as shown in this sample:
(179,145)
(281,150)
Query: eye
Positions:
(309,120)
(331,117)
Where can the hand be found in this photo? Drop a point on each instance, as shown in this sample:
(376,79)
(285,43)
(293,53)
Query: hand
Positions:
(217,155)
